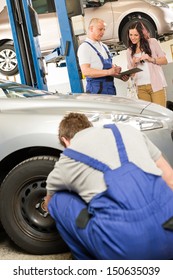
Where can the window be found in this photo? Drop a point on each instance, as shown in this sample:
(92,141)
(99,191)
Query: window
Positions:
(43,6)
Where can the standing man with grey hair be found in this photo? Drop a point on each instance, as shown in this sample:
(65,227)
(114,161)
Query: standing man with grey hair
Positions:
(96,62)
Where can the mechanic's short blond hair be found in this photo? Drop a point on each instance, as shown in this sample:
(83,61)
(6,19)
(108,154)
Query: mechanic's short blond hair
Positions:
(95,21)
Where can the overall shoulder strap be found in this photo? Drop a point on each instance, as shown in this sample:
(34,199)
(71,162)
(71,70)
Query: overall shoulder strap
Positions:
(98,53)
(106,50)
(94,163)
(119,142)
(93,47)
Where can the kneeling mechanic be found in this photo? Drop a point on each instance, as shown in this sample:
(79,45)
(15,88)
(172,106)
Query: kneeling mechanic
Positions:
(110,193)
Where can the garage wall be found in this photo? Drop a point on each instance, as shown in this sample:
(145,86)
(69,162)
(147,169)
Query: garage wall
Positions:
(2,4)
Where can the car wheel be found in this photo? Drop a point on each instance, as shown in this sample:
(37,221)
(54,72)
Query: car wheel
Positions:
(147,23)
(21,211)
(8,60)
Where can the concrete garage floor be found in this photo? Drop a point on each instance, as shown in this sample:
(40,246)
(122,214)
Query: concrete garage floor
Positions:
(8,251)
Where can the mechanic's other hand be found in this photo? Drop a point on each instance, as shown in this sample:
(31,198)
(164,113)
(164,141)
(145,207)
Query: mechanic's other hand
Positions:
(46,201)
(117,69)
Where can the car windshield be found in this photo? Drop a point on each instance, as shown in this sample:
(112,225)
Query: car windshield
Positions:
(12,90)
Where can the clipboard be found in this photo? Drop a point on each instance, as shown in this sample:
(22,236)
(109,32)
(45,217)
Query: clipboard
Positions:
(128,72)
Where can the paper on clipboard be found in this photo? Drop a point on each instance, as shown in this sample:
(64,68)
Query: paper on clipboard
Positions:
(128,72)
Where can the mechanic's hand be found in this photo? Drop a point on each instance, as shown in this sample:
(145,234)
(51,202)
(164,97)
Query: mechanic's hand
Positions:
(117,69)
(47,198)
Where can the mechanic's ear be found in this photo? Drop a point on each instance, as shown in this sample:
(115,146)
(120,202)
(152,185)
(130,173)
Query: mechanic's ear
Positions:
(65,141)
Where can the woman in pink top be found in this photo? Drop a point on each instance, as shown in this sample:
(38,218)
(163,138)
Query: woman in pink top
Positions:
(145,53)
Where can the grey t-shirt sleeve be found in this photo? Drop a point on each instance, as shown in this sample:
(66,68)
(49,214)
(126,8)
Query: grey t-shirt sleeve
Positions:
(56,179)
(153,150)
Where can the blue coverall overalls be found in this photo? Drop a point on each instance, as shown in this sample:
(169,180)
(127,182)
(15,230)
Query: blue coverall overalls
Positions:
(104,85)
(127,221)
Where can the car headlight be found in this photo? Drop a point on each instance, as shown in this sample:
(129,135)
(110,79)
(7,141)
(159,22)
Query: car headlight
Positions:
(139,122)
(157,3)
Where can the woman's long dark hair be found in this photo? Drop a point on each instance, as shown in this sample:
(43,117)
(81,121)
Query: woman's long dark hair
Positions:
(143,33)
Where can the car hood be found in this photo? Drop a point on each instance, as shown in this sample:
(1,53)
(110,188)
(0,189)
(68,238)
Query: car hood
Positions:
(85,103)
(37,119)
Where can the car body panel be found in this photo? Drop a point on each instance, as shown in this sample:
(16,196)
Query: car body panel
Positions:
(49,40)
(162,13)
(113,12)
(34,122)
(5,28)
(162,17)
(119,10)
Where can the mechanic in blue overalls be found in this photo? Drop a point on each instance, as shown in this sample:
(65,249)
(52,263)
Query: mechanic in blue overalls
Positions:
(111,201)
(96,62)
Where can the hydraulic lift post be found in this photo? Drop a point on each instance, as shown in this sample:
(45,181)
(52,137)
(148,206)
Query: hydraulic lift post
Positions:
(25,30)
(68,44)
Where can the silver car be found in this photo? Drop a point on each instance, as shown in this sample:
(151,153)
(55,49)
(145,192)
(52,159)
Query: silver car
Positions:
(30,147)
(118,14)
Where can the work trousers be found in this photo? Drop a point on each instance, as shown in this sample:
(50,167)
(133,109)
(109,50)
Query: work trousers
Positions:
(146,93)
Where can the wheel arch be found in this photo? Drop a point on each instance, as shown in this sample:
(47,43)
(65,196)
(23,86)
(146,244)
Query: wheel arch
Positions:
(13,159)
(132,16)
(4,41)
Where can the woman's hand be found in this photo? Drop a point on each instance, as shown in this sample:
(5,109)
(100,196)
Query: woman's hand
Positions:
(125,78)
(145,57)
(136,61)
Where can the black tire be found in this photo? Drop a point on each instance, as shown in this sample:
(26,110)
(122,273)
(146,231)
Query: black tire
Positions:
(22,219)
(148,24)
(8,60)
